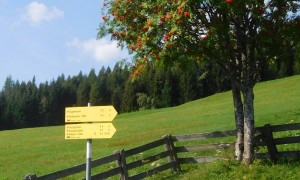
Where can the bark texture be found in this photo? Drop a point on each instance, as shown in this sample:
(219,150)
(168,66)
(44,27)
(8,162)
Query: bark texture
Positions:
(239,122)
(248,125)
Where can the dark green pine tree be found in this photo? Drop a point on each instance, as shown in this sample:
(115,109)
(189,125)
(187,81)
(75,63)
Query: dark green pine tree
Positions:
(117,86)
(166,99)
(8,104)
(92,75)
(129,99)
(45,106)
(62,95)
(83,92)
(2,105)
(30,108)
(103,77)
(95,93)
(187,86)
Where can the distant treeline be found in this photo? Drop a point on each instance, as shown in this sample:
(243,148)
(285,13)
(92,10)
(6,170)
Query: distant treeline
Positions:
(26,104)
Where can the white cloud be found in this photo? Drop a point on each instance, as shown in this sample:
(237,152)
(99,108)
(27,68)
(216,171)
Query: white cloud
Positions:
(37,12)
(102,50)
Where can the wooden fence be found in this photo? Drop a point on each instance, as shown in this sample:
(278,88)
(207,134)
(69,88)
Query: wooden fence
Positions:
(170,152)
(266,138)
(198,148)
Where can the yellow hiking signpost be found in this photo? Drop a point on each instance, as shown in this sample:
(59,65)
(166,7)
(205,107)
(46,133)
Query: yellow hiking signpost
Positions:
(89,123)
(89,131)
(90,114)
(84,118)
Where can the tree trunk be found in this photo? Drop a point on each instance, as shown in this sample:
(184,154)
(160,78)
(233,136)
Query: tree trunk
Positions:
(239,121)
(248,125)
(291,62)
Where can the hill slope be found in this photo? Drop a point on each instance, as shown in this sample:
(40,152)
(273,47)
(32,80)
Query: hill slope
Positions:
(44,150)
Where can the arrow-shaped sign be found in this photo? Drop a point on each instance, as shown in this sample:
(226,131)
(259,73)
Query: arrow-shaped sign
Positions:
(89,131)
(90,114)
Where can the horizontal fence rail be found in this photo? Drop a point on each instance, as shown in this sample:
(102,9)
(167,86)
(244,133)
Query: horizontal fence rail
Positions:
(145,147)
(183,153)
(154,170)
(75,169)
(143,161)
(181,150)
(216,134)
(205,147)
(266,138)
(278,128)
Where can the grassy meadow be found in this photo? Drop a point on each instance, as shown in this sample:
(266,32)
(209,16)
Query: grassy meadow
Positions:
(44,150)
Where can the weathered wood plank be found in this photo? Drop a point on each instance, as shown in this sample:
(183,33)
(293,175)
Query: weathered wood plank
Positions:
(206,147)
(287,140)
(285,127)
(198,159)
(104,160)
(153,171)
(289,154)
(124,170)
(78,168)
(145,147)
(281,127)
(148,160)
(272,149)
(284,154)
(121,162)
(109,173)
(64,173)
(215,134)
(173,154)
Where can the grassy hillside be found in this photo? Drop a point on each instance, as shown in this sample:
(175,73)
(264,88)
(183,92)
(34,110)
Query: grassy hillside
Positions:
(44,150)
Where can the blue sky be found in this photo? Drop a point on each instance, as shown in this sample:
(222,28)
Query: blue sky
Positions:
(52,37)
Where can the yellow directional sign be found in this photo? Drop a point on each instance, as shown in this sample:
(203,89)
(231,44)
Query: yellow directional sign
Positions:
(89,131)
(90,114)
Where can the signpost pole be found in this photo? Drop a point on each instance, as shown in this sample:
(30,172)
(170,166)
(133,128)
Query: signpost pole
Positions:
(85,128)
(88,156)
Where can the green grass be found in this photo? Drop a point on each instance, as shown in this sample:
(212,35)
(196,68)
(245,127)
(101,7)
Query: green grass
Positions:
(231,169)
(44,150)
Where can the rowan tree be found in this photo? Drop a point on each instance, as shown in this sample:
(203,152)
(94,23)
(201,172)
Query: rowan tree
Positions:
(235,35)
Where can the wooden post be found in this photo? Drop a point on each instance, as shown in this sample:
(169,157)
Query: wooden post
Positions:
(173,155)
(30,177)
(124,165)
(121,162)
(268,136)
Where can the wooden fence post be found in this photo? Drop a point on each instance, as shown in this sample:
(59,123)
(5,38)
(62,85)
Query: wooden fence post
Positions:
(173,155)
(30,177)
(268,136)
(124,165)
(121,162)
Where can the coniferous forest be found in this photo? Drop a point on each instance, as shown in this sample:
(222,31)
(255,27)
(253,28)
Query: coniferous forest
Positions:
(27,104)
